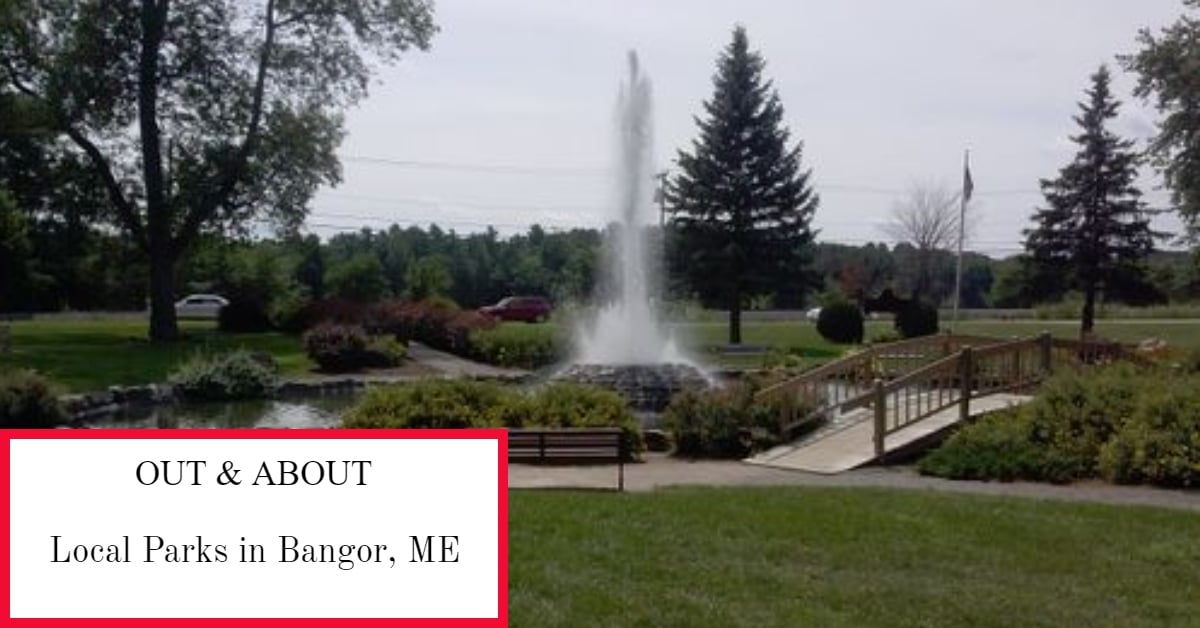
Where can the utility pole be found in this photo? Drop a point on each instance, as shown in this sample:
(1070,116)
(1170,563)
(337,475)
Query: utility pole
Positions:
(967,188)
(660,195)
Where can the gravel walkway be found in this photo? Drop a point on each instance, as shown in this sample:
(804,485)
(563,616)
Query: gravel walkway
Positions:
(660,471)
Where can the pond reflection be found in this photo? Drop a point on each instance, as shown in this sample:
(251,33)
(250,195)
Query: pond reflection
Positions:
(310,412)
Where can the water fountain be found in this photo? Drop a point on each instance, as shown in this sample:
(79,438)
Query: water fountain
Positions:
(624,346)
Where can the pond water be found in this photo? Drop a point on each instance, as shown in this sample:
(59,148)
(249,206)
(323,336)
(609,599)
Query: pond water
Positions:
(307,412)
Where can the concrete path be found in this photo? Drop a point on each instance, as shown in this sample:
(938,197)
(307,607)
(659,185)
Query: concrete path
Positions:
(854,445)
(660,471)
(454,366)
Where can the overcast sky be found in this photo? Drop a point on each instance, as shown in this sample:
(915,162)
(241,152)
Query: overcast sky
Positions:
(508,119)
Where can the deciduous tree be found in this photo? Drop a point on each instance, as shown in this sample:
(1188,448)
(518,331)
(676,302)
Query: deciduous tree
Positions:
(201,114)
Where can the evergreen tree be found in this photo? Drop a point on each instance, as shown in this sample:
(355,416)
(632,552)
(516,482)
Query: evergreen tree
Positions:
(1095,230)
(741,205)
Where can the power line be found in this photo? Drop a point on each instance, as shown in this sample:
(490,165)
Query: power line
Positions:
(477,167)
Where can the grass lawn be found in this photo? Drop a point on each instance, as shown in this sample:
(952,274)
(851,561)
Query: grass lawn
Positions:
(846,557)
(802,335)
(92,354)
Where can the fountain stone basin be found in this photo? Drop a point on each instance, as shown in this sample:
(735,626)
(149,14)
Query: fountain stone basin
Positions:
(647,388)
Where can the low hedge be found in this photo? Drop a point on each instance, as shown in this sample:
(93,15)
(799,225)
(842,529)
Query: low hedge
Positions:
(28,400)
(439,403)
(1114,423)
(727,422)
(520,346)
(999,447)
(841,323)
(225,377)
(344,348)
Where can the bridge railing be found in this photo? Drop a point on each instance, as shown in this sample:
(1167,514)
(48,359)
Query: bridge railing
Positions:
(905,382)
(955,380)
(848,383)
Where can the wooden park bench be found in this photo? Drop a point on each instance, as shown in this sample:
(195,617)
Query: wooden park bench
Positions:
(569,446)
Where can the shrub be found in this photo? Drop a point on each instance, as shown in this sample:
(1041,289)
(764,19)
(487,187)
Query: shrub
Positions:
(224,377)
(1160,444)
(243,316)
(1124,425)
(1075,413)
(436,321)
(728,423)
(564,404)
(998,447)
(28,400)
(341,348)
(431,403)
(314,312)
(841,322)
(918,318)
(1191,364)
(438,403)
(336,348)
(521,346)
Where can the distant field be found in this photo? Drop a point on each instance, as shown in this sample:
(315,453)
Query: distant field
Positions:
(845,557)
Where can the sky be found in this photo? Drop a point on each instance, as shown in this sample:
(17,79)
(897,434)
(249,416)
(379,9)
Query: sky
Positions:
(508,120)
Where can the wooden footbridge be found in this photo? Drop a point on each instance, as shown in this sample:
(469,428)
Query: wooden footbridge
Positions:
(890,397)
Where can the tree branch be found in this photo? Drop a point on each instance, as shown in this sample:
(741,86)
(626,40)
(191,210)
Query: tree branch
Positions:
(126,212)
(232,169)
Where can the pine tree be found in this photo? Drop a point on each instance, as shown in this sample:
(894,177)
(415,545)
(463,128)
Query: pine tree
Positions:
(741,205)
(1095,230)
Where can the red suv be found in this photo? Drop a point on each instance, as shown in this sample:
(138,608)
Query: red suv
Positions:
(528,309)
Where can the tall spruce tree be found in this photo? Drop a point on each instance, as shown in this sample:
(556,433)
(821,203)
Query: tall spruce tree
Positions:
(1095,230)
(741,205)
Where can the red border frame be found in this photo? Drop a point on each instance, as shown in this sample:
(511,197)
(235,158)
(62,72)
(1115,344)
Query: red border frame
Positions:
(499,435)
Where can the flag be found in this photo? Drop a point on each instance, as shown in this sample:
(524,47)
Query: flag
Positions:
(968,184)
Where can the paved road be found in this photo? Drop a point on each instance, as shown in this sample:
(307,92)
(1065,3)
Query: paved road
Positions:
(660,471)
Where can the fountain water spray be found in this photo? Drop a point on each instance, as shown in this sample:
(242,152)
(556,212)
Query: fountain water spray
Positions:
(626,330)
(624,347)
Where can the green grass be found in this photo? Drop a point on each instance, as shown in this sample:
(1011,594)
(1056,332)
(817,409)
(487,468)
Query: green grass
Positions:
(846,557)
(92,354)
(1181,334)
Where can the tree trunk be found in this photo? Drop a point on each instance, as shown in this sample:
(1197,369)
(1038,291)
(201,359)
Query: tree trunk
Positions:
(735,320)
(1088,319)
(163,323)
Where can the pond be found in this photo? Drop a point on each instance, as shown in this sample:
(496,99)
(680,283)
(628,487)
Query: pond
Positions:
(300,412)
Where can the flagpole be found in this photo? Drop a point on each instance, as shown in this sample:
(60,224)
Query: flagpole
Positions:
(962,223)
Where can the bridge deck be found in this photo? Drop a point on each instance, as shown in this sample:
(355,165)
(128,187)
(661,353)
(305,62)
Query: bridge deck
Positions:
(853,446)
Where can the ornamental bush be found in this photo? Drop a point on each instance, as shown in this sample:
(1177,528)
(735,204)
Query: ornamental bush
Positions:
(998,447)
(728,422)
(439,403)
(224,377)
(1159,444)
(917,318)
(28,400)
(521,346)
(244,317)
(841,322)
(1117,423)
(343,348)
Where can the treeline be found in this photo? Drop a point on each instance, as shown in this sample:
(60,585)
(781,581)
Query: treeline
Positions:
(54,263)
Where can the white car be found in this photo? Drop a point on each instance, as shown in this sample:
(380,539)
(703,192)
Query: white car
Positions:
(200,306)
